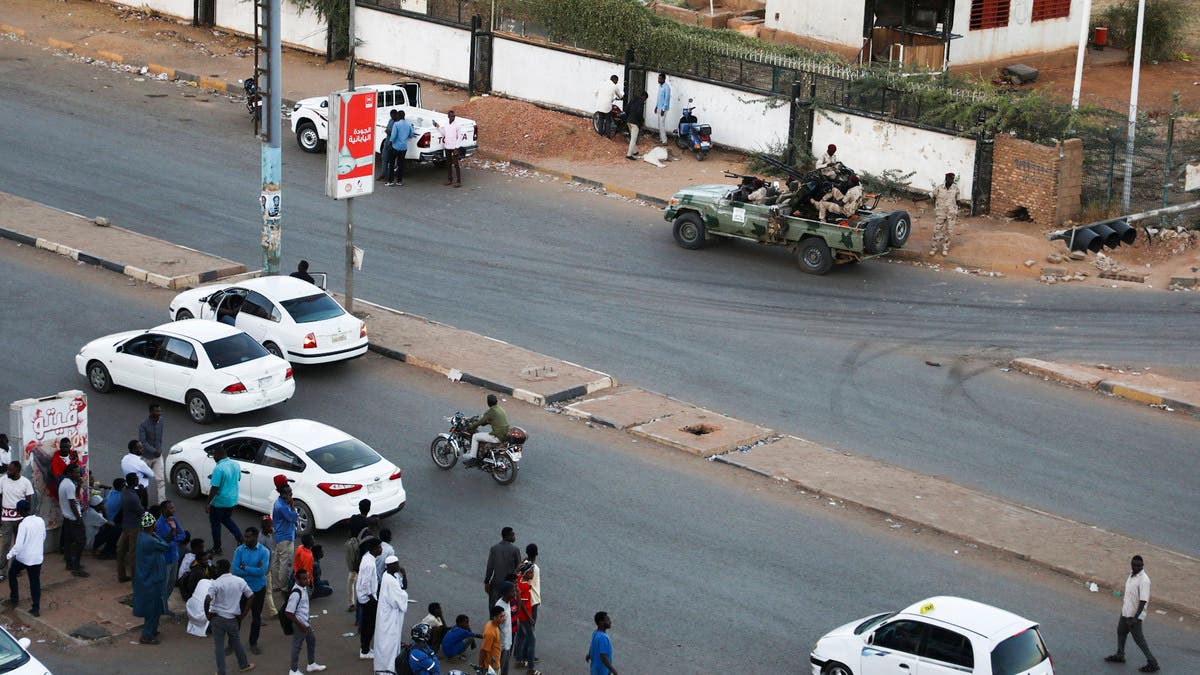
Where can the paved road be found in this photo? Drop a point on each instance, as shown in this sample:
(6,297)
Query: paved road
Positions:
(704,568)
(839,359)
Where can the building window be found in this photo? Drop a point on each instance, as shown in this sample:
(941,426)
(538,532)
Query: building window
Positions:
(1051,9)
(989,14)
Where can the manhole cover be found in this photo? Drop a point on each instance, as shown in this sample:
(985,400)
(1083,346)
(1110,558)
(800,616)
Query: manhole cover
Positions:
(700,429)
(91,631)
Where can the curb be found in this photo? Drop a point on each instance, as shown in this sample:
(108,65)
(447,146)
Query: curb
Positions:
(1070,376)
(657,202)
(1148,398)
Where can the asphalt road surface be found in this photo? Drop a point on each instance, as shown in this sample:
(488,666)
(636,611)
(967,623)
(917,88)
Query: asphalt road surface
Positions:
(704,568)
(596,280)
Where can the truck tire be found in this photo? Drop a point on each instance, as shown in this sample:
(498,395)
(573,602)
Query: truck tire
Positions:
(875,237)
(308,138)
(899,230)
(689,231)
(814,256)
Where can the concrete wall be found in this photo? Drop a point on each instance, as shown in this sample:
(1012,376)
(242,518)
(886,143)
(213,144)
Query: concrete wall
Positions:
(739,120)
(179,8)
(836,21)
(1022,36)
(873,146)
(1045,180)
(559,78)
(414,46)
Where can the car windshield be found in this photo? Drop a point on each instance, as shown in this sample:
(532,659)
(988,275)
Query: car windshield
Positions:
(312,308)
(11,654)
(232,350)
(872,622)
(344,456)
(1019,653)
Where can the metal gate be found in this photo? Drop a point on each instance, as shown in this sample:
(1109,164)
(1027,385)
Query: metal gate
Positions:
(480,76)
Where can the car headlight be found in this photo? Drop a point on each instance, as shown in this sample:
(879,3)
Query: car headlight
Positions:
(296,107)
(175,449)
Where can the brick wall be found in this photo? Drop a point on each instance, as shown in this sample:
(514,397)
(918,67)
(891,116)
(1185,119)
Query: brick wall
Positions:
(1035,177)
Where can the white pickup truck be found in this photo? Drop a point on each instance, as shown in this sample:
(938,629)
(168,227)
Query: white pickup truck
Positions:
(310,122)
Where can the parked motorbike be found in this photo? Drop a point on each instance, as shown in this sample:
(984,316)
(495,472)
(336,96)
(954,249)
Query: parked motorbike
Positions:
(608,124)
(253,98)
(500,460)
(691,135)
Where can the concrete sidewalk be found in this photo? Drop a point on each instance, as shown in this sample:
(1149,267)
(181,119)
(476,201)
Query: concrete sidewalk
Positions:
(1142,387)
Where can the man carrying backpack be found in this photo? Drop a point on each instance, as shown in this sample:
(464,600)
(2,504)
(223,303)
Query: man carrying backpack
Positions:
(296,623)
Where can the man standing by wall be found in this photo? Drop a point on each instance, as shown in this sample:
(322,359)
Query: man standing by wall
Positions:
(661,105)
(945,213)
(150,433)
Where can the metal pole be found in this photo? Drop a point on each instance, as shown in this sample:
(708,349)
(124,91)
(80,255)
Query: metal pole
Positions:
(1083,33)
(272,116)
(1162,221)
(1133,102)
(350,201)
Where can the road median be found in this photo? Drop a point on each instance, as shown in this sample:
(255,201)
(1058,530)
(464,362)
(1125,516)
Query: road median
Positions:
(1138,386)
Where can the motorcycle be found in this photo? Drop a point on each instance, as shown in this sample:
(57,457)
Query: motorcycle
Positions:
(691,135)
(607,124)
(253,98)
(498,459)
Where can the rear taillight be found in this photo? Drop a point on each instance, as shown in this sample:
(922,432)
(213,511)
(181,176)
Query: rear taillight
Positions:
(288,374)
(475,135)
(424,142)
(310,341)
(396,476)
(337,489)
(235,388)
(362,332)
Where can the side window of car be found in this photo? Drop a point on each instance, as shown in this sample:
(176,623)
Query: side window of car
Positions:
(256,305)
(145,346)
(276,457)
(903,636)
(243,449)
(379,100)
(179,353)
(949,647)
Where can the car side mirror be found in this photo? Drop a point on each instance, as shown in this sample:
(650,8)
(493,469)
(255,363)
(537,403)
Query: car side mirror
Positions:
(24,642)
(871,639)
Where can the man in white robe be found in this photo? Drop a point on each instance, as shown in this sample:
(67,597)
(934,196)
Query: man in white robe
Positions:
(389,616)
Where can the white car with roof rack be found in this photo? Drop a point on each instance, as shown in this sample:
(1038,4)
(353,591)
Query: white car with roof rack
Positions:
(938,636)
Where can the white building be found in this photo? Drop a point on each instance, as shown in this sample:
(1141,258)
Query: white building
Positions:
(929,33)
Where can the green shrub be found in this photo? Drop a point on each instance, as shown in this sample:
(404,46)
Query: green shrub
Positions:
(1166,26)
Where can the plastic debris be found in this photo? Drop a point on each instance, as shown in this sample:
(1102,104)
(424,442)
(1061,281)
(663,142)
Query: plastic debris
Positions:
(1093,587)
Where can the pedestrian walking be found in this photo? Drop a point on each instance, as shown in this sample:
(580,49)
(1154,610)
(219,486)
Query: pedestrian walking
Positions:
(150,579)
(13,488)
(132,511)
(661,105)
(508,593)
(635,117)
(227,603)
(150,434)
(451,136)
(503,559)
(1133,612)
(251,562)
(600,654)
(284,517)
(73,536)
(222,497)
(389,615)
(397,143)
(945,214)
(295,610)
(26,554)
(168,529)
(367,597)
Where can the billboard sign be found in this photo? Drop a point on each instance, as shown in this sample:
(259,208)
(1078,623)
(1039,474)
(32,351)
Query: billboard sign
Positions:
(40,424)
(350,157)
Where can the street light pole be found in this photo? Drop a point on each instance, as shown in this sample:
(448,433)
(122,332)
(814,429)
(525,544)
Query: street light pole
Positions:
(350,201)
(272,115)
(1131,132)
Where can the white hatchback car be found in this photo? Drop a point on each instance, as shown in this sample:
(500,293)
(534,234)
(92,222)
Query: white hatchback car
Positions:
(292,318)
(209,367)
(329,470)
(15,658)
(943,636)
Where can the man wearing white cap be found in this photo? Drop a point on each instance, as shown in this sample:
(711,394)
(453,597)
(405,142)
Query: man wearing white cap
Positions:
(389,615)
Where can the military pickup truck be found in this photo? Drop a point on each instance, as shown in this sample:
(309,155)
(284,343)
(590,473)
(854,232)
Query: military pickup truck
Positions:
(755,211)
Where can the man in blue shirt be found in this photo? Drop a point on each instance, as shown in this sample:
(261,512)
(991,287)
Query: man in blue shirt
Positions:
(387,146)
(283,518)
(250,562)
(421,658)
(460,637)
(222,497)
(661,105)
(401,131)
(601,653)
(168,529)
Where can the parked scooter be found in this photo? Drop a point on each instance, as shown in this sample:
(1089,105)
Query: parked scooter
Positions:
(253,98)
(691,135)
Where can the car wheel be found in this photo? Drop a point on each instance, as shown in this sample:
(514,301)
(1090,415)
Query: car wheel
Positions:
(814,256)
(183,315)
(875,237)
(98,377)
(442,452)
(274,349)
(701,155)
(304,519)
(198,408)
(899,231)
(308,138)
(689,231)
(505,470)
(185,481)
(836,668)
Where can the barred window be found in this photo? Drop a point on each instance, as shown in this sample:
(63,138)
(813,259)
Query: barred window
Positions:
(1051,9)
(989,14)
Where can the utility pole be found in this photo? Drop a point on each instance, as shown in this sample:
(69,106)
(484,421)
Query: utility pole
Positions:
(272,116)
(1127,190)
(1084,21)
(350,201)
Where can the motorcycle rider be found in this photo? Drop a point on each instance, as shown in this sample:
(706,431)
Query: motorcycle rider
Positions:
(497,419)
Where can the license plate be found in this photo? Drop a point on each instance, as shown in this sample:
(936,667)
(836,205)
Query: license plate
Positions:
(340,337)
(516,456)
(264,382)
(375,488)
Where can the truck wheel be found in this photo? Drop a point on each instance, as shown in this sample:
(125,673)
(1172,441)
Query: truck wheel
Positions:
(875,237)
(899,230)
(689,231)
(308,138)
(814,256)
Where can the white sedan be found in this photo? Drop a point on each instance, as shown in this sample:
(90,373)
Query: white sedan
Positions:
(209,367)
(330,471)
(15,658)
(292,318)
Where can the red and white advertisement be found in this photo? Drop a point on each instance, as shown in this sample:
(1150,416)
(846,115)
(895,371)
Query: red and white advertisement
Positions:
(41,424)
(350,159)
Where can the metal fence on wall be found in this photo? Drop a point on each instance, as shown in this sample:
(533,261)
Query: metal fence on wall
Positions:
(1160,159)
(458,12)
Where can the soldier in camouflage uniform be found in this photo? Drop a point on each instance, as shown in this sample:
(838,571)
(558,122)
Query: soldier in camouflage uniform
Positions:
(945,210)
